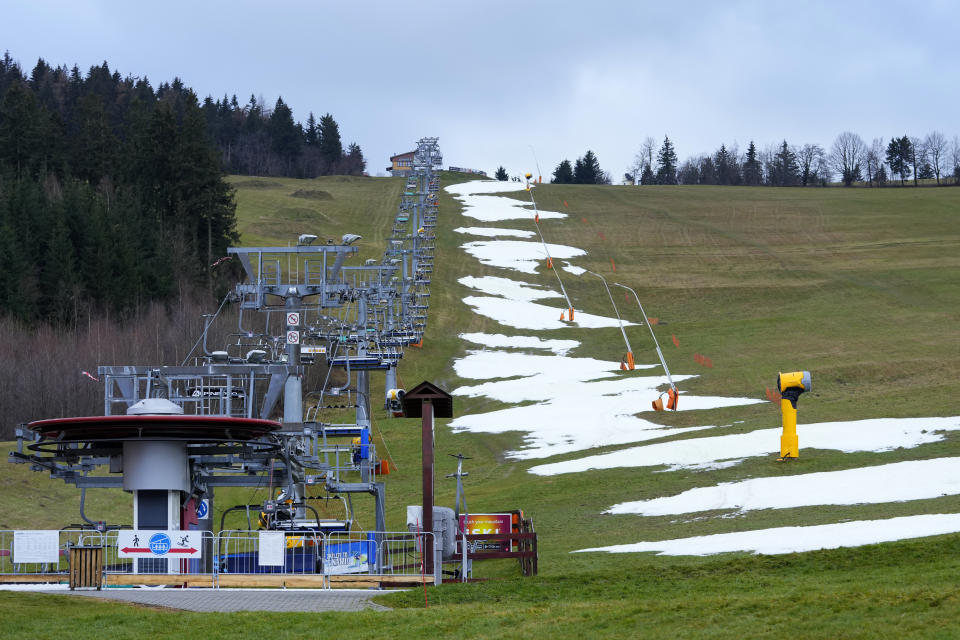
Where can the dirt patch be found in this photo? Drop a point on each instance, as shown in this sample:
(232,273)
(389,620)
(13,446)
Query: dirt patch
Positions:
(312,194)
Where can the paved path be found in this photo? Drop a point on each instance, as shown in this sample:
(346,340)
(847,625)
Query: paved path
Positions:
(242,599)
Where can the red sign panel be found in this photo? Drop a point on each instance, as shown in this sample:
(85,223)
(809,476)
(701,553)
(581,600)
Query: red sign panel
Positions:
(487,523)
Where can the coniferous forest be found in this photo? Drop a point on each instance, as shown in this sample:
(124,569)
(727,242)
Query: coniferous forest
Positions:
(112,192)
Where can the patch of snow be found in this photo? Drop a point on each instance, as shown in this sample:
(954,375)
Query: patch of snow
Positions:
(706,466)
(40,586)
(795,539)
(478,204)
(474,187)
(895,482)
(522,314)
(581,402)
(518,255)
(492,365)
(559,347)
(512,289)
(882,434)
(494,232)
(575,270)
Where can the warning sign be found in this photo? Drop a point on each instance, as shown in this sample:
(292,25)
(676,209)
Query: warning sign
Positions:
(293,337)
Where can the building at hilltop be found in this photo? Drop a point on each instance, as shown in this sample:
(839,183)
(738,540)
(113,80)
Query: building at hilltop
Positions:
(401,164)
(466,170)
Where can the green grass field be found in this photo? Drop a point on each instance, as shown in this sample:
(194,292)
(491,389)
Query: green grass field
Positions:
(859,286)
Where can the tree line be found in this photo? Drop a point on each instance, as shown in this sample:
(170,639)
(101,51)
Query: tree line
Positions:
(112,192)
(584,170)
(849,160)
(256,140)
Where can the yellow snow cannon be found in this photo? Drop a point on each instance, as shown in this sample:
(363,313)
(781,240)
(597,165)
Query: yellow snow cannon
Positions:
(791,385)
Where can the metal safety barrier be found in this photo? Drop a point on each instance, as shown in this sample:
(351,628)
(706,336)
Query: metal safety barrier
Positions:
(41,552)
(382,558)
(238,552)
(115,561)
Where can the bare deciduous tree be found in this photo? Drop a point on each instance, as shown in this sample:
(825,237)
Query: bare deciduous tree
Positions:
(935,145)
(955,159)
(918,155)
(846,156)
(643,161)
(873,158)
(809,157)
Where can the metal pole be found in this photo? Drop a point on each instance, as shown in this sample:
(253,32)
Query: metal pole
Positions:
(536,215)
(619,321)
(663,360)
(426,439)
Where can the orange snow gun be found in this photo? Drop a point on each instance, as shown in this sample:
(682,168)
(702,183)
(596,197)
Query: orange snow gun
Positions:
(672,398)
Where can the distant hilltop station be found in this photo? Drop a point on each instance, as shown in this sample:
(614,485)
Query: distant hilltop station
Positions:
(401,164)
(465,170)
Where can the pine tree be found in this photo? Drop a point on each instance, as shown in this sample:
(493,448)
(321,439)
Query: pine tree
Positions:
(646,176)
(752,173)
(501,174)
(311,135)
(587,170)
(285,135)
(563,174)
(667,163)
(785,172)
(20,128)
(59,293)
(331,149)
(92,156)
(353,163)
(898,156)
(722,163)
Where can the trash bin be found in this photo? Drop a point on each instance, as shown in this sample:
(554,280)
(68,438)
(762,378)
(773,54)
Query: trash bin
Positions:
(86,567)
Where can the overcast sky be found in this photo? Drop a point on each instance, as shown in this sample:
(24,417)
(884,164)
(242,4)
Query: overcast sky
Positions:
(496,79)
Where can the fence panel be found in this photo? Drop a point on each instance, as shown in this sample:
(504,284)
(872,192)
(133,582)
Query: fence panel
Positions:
(396,553)
(358,554)
(115,563)
(238,551)
(36,552)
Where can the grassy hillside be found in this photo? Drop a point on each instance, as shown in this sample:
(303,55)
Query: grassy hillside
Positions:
(861,287)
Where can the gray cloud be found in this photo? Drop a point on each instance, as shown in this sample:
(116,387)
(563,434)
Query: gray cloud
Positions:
(492,79)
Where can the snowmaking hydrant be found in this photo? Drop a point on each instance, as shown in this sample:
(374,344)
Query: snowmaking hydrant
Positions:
(791,385)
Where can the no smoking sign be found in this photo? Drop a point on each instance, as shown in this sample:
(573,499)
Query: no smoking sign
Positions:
(293,319)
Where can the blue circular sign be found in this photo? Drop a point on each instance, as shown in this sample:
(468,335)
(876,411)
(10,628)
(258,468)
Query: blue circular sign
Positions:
(159,544)
(202,510)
